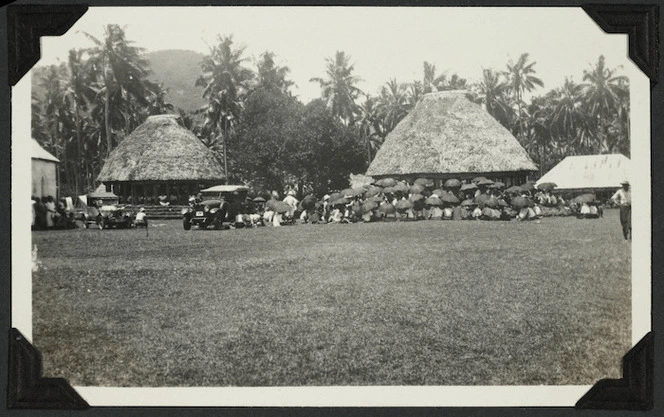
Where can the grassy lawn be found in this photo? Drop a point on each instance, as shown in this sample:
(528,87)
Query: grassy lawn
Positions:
(422,303)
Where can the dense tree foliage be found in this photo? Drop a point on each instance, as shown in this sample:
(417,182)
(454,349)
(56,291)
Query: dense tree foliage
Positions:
(266,137)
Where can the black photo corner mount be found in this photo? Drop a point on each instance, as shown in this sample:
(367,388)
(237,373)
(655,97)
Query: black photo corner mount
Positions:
(27,389)
(641,23)
(634,391)
(26,24)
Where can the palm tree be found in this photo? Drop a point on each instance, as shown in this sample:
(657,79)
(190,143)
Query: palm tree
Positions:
(604,93)
(521,76)
(392,104)
(430,81)
(122,71)
(371,129)
(271,75)
(226,82)
(338,89)
(492,92)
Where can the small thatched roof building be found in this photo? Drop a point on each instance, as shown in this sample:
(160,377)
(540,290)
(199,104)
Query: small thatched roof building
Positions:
(160,157)
(448,136)
(589,173)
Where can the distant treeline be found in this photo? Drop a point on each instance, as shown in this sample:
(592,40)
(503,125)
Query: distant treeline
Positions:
(265,137)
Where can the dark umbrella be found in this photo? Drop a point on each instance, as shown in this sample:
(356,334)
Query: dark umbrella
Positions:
(515,189)
(450,198)
(281,207)
(478,179)
(492,202)
(335,196)
(439,192)
(386,182)
(387,208)
(402,187)
(416,189)
(467,203)
(309,202)
(466,187)
(404,205)
(416,197)
(528,186)
(425,182)
(340,201)
(258,200)
(452,183)
(546,186)
(520,202)
(482,199)
(369,206)
(585,198)
(434,200)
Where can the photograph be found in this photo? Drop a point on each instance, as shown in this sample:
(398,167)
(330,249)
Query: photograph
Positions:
(332,205)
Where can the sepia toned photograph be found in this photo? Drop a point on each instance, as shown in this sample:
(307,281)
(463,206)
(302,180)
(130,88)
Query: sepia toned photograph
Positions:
(321,197)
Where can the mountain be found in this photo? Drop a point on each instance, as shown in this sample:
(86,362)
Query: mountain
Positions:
(178,70)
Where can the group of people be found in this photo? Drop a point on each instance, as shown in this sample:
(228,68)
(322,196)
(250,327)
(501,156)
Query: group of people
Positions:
(47,213)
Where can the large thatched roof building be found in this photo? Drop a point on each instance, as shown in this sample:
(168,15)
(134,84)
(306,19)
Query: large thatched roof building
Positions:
(160,157)
(448,136)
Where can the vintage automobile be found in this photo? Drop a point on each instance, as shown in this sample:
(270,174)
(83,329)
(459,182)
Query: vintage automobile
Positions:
(103,210)
(216,205)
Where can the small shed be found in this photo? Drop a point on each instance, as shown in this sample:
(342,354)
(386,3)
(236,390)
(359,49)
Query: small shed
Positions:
(44,172)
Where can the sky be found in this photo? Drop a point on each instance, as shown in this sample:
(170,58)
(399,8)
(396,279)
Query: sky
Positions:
(384,43)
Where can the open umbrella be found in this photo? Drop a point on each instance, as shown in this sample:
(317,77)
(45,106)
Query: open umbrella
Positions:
(482,199)
(386,182)
(416,189)
(387,208)
(335,196)
(425,182)
(450,198)
(404,205)
(467,203)
(401,187)
(369,206)
(416,197)
(258,200)
(358,191)
(478,179)
(520,202)
(439,192)
(515,189)
(372,192)
(434,200)
(348,192)
(281,207)
(497,184)
(546,186)
(502,203)
(528,186)
(485,181)
(388,190)
(272,203)
(452,183)
(376,199)
(585,198)
(340,201)
(309,202)
(466,187)
(492,202)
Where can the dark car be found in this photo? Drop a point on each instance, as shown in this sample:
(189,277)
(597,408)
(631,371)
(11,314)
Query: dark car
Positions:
(103,209)
(217,205)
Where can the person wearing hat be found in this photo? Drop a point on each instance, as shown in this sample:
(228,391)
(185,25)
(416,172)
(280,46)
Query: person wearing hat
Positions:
(141,218)
(623,198)
(325,208)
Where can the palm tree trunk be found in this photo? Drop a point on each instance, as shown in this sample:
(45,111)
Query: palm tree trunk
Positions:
(225,152)
(79,158)
(107,123)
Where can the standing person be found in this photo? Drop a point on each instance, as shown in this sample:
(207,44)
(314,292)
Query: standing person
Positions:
(292,202)
(50,211)
(623,198)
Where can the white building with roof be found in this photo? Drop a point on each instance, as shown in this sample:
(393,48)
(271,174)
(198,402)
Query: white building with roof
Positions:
(589,173)
(44,172)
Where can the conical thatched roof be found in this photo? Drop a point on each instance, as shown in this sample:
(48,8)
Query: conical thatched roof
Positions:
(161,150)
(448,134)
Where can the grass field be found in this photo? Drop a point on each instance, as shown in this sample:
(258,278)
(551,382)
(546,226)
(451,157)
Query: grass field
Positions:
(422,303)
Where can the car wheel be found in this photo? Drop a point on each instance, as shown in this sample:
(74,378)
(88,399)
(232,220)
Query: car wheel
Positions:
(186,224)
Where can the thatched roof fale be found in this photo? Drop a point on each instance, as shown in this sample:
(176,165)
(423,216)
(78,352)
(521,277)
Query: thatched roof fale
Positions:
(161,150)
(446,133)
